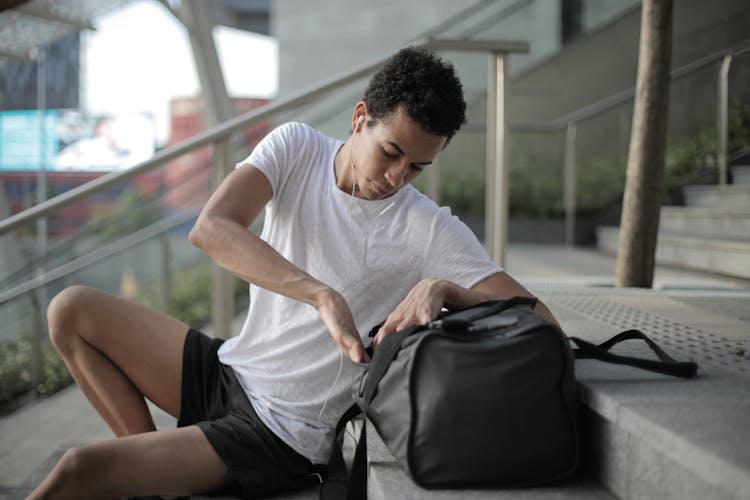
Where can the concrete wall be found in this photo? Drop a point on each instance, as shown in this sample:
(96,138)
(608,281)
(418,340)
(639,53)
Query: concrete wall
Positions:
(605,61)
(318,39)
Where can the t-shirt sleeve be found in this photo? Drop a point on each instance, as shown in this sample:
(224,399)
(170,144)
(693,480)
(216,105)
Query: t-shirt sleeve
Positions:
(273,156)
(454,253)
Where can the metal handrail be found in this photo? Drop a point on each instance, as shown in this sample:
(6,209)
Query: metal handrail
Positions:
(117,246)
(569,122)
(609,102)
(222,131)
(212,135)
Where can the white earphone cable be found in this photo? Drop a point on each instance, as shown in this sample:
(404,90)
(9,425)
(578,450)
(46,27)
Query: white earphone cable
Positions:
(349,273)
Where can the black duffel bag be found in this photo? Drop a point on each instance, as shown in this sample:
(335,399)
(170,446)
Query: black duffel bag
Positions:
(480,398)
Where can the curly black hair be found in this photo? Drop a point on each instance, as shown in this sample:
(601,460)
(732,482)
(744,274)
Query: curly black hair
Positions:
(426,86)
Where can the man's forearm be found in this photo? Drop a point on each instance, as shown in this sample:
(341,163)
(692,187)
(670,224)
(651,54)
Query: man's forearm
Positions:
(250,258)
(457,297)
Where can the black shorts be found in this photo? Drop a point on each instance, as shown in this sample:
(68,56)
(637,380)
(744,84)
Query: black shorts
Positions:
(259,462)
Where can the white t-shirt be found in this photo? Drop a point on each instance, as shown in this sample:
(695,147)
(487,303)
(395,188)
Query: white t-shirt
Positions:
(372,252)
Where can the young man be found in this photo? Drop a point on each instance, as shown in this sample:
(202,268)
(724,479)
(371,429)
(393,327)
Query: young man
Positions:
(346,243)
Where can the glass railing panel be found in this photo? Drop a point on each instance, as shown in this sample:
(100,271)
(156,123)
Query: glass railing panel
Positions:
(130,240)
(536,187)
(601,148)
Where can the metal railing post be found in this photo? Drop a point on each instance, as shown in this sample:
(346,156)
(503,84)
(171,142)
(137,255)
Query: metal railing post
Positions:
(37,333)
(569,183)
(489,203)
(41,178)
(222,298)
(723,127)
(166,273)
(501,202)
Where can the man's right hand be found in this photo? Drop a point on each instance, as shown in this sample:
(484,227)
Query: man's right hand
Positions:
(336,315)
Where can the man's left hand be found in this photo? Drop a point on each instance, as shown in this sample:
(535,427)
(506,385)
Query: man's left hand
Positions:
(421,305)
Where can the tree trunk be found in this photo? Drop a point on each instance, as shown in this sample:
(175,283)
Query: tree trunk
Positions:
(642,200)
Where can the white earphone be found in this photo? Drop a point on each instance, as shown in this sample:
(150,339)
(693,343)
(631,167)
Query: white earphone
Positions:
(349,272)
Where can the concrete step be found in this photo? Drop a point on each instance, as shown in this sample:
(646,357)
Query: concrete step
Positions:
(741,174)
(717,256)
(653,436)
(732,196)
(723,224)
(648,435)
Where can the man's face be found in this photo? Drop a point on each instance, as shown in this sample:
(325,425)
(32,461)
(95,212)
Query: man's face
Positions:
(391,154)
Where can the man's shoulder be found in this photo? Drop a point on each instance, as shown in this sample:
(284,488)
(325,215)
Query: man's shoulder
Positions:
(299,132)
(423,207)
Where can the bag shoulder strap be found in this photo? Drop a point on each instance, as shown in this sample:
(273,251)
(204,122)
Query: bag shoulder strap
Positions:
(340,484)
(667,364)
(385,353)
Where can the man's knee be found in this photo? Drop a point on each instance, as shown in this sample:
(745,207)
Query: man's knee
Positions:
(64,312)
(70,468)
(77,471)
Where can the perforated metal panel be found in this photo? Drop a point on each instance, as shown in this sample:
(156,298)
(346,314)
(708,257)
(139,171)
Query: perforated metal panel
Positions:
(40,22)
(681,339)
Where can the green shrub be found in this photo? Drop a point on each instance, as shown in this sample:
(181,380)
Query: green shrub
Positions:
(132,212)
(191,294)
(15,372)
(463,193)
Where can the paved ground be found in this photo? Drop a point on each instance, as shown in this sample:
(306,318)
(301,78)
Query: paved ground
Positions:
(715,308)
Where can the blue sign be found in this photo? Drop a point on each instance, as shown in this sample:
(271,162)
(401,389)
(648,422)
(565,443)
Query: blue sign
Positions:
(29,139)
(68,140)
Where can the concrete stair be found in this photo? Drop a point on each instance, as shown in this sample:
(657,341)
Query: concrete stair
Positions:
(729,257)
(711,233)
(741,174)
(703,222)
(730,196)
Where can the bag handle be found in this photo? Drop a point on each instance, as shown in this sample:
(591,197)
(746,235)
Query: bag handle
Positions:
(489,308)
(479,311)
(668,365)
(390,345)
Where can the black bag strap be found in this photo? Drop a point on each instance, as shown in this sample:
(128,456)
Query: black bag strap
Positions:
(385,353)
(667,364)
(341,485)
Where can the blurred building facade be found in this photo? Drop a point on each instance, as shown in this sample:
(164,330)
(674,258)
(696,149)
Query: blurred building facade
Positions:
(63,91)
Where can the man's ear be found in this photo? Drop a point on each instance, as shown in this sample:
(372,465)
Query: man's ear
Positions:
(359,117)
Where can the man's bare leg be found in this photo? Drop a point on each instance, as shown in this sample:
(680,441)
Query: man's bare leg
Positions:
(118,352)
(167,462)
